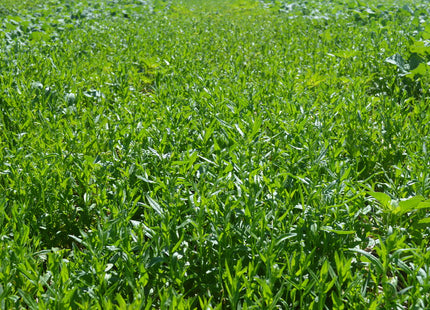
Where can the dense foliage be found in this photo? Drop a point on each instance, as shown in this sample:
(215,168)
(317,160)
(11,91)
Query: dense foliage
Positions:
(214,154)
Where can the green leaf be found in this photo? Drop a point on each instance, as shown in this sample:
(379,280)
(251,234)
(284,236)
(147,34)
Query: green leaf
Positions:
(339,232)
(423,205)
(154,205)
(420,70)
(418,49)
(382,198)
(398,61)
(407,205)
(38,36)
(373,260)
(424,221)
(121,302)
(28,299)
(324,271)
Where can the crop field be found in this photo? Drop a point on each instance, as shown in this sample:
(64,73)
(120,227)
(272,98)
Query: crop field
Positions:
(211,154)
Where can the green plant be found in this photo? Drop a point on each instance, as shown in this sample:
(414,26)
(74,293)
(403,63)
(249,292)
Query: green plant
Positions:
(213,154)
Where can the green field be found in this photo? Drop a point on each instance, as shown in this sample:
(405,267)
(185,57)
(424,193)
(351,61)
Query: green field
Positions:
(214,154)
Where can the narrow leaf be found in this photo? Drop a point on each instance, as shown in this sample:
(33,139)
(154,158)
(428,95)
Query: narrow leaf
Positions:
(154,205)
(375,261)
(424,221)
